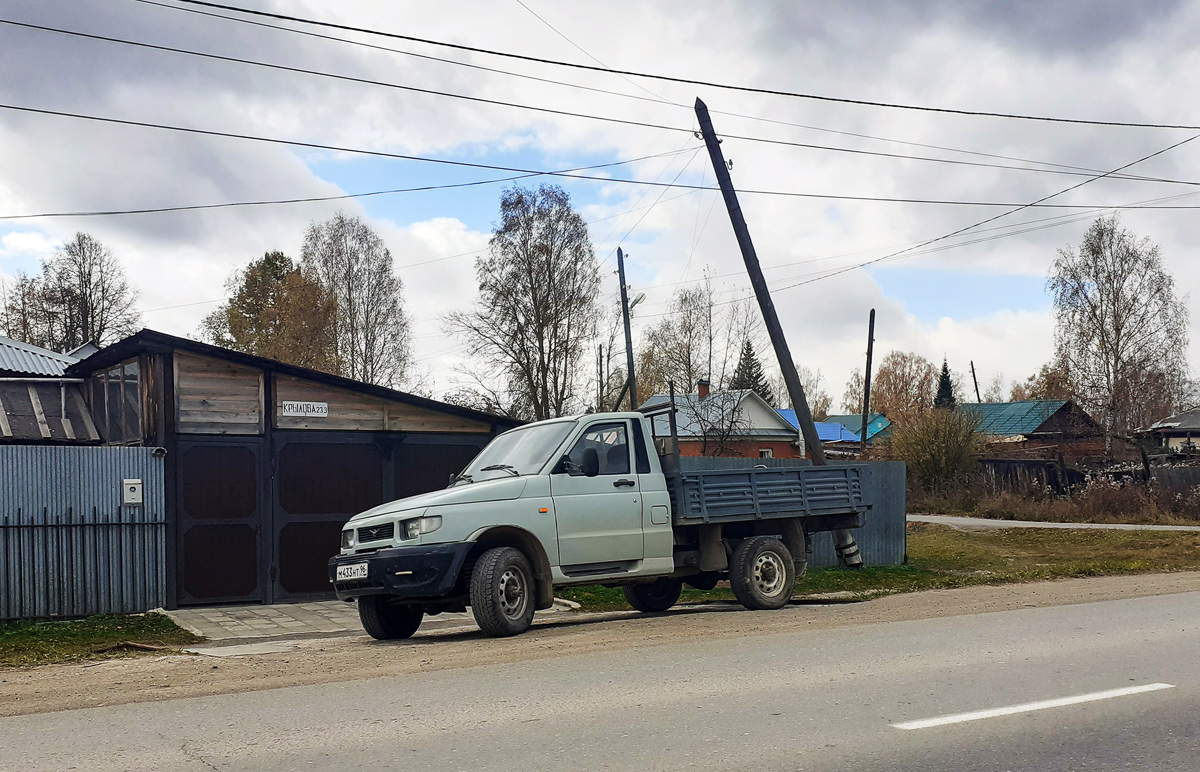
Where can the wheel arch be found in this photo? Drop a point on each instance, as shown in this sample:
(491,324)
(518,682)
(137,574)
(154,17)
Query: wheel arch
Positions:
(529,545)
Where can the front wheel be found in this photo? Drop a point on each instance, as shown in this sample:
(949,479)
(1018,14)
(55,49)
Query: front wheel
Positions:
(502,592)
(762,573)
(385,620)
(658,595)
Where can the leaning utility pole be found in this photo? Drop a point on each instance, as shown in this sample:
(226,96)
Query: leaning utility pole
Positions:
(633,405)
(976,380)
(862,440)
(843,540)
(795,390)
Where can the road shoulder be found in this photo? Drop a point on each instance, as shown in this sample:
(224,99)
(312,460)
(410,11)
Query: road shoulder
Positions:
(330,660)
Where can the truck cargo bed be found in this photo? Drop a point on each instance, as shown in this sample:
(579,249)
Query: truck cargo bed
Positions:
(725,495)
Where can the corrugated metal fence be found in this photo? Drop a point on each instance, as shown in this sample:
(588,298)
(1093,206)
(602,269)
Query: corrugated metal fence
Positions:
(68,546)
(883,540)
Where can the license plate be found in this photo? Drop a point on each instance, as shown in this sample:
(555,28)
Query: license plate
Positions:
(352,571)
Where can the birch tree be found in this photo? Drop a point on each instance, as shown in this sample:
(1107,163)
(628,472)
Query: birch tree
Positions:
(537,306)
(353,265)
(1120,329)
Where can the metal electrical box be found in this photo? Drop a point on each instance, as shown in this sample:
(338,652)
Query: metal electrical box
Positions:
(131,492)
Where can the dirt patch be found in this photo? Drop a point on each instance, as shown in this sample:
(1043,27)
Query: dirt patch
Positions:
(116,682)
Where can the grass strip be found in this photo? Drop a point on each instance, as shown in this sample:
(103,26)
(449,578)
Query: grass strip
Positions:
(941,557)
(105,636)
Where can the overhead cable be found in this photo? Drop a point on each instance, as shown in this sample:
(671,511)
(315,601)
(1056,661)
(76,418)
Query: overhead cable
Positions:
(693,81)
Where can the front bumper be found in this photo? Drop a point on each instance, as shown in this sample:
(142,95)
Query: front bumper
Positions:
(419,572)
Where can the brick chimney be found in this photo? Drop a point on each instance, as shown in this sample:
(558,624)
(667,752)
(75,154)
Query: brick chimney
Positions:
(702,388)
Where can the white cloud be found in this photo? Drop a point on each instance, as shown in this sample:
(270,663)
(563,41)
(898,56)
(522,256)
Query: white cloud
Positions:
(1129,61)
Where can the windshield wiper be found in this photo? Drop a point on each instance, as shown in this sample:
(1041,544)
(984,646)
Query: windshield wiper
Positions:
(505,467)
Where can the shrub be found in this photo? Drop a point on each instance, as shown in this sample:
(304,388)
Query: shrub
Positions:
(940,446)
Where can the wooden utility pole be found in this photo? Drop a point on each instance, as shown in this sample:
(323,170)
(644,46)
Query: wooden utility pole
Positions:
(976,381)
(862,439)
(633,403)
(843,539)
(808,428)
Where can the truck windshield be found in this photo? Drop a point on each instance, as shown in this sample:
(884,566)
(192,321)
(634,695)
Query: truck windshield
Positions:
(519,452)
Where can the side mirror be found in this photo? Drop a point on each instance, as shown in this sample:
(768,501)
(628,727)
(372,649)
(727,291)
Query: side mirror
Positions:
(563,466)
(590,463)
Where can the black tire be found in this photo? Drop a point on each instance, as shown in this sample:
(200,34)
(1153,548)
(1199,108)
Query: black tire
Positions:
(385,620)
(762,573)
(503,592)
(658,595)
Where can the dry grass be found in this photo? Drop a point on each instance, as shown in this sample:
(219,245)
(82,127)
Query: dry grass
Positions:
(941,557)
(1102,501)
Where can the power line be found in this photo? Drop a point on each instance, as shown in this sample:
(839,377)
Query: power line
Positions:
(563,113)
(518,170)
(695,82)
(658,100)
(1038,202)
(316,199)
(1015,229)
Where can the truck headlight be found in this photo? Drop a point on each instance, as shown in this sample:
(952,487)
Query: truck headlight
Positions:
(419,525)
(347,538)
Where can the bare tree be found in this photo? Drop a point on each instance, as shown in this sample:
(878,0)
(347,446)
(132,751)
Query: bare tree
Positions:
(537,304)
(1051,381)
(1119,323)
(354,266)
(81,295)
(904,385)
(852,397)
(819,400)
(718,420)
(995,389)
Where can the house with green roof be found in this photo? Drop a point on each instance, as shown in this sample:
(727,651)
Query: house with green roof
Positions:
(1051,426)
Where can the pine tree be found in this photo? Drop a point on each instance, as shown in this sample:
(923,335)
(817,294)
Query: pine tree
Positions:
(749,375)
(945,390)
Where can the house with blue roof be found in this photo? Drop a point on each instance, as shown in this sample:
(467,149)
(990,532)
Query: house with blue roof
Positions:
(828,432)
(879,426)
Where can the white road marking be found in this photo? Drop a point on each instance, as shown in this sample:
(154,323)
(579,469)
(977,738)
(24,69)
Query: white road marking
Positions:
(1027,707)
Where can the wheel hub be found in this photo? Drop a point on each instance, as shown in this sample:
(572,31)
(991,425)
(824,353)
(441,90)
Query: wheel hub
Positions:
(769,574)
(512,593)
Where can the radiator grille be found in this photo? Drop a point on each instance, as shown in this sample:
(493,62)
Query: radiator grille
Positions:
(376,532)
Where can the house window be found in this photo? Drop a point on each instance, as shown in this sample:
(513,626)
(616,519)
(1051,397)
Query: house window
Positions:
(766,453)
(116,403)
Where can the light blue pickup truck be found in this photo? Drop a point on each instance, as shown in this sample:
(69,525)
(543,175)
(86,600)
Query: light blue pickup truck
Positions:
(593,499)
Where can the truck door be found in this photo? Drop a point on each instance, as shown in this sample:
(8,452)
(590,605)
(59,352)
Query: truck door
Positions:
(599,518)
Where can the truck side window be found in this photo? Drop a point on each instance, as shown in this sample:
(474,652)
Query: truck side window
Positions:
(611,442)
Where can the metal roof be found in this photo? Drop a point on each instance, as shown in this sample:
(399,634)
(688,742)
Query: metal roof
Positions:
(827,431)
(876,423)
(1187,421)
(692,413)
(1010,419)
(23,359)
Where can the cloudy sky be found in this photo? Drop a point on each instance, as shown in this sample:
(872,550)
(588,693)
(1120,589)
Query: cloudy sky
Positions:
(983,298)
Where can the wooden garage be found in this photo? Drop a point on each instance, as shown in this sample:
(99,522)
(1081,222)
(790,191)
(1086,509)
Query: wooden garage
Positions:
(265,461)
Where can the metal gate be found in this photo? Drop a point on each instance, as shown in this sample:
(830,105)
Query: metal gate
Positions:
(221,491)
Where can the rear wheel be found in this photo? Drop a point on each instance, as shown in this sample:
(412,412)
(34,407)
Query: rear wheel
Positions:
(762,573)
(502,592)
(658,595)
(386,620)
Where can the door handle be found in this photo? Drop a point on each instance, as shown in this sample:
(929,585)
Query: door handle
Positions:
(626,483)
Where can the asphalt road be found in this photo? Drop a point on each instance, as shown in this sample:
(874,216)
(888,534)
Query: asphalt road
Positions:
(812,700)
